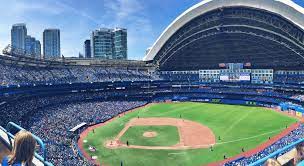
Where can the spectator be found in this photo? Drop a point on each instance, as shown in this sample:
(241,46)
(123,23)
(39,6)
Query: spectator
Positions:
(23,150)
(299,156)
(272,162)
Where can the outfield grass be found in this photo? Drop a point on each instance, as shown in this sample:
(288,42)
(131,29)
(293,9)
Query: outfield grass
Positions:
(238,126)
(166,136)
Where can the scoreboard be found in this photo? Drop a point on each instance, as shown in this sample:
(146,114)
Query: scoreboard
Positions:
(235,76)
(235,72)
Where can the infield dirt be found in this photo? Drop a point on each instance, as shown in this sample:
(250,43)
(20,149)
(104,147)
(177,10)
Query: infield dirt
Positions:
(192,135)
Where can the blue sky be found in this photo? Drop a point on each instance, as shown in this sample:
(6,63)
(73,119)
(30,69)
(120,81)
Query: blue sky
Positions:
(144,19)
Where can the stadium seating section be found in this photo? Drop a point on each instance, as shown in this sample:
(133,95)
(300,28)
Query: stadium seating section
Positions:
(51,113)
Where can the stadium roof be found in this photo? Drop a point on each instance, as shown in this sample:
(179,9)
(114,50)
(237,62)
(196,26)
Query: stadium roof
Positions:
(289,36)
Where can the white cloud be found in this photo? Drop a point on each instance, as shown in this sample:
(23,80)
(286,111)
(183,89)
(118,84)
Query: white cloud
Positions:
(123,9)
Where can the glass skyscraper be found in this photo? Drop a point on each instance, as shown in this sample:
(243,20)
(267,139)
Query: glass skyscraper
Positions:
(18,35)
(120,43)
(32,47)
(102,43)
(29,45)
(51,43)
(87,49)
(29,49)
(37,49)
(109,43)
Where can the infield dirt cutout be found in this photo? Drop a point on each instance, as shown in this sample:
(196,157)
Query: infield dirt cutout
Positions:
(192,135)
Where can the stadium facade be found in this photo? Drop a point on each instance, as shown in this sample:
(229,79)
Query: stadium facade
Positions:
(266,33)
(205,55)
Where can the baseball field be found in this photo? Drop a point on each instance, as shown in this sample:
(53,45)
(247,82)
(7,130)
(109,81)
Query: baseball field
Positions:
(185,134)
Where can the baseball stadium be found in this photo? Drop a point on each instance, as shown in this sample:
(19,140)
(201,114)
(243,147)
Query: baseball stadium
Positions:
(222,85)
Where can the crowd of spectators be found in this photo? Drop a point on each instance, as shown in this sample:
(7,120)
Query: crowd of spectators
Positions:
(294,136)
(241,91)
(277,78)
(25,75)
(249,94)
(182,77)
(298,97)
(19,109)
(265,99)
(52,125)
(289,78)
(51,118)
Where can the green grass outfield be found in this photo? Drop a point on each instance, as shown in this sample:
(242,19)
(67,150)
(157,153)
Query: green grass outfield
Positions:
(238,126)
(166,136)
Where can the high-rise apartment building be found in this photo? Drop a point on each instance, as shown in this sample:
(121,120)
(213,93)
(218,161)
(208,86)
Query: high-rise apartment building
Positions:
(87,49)
(37,49)
(109,43)
(51,43)
(102,43)
(18,35)
(30,46)
(120,43)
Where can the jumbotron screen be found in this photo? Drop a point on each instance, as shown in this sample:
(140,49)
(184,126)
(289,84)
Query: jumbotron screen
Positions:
(235,77)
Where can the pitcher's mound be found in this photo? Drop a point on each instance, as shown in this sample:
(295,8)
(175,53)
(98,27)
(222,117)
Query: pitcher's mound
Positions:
(150,134)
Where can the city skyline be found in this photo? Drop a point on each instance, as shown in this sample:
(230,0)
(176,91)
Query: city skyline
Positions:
(145,20)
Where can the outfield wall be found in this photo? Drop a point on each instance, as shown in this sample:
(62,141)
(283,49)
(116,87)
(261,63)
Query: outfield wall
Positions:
(226,101)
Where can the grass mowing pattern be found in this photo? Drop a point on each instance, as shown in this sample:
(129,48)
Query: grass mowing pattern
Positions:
(166,136)
(230,122)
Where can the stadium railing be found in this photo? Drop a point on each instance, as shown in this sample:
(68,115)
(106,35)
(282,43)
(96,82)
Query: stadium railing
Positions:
(301,163)
(277,153)
(7,137)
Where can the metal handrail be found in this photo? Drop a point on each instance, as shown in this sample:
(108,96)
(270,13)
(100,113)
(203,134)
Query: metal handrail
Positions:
(11,125)
(276,153)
